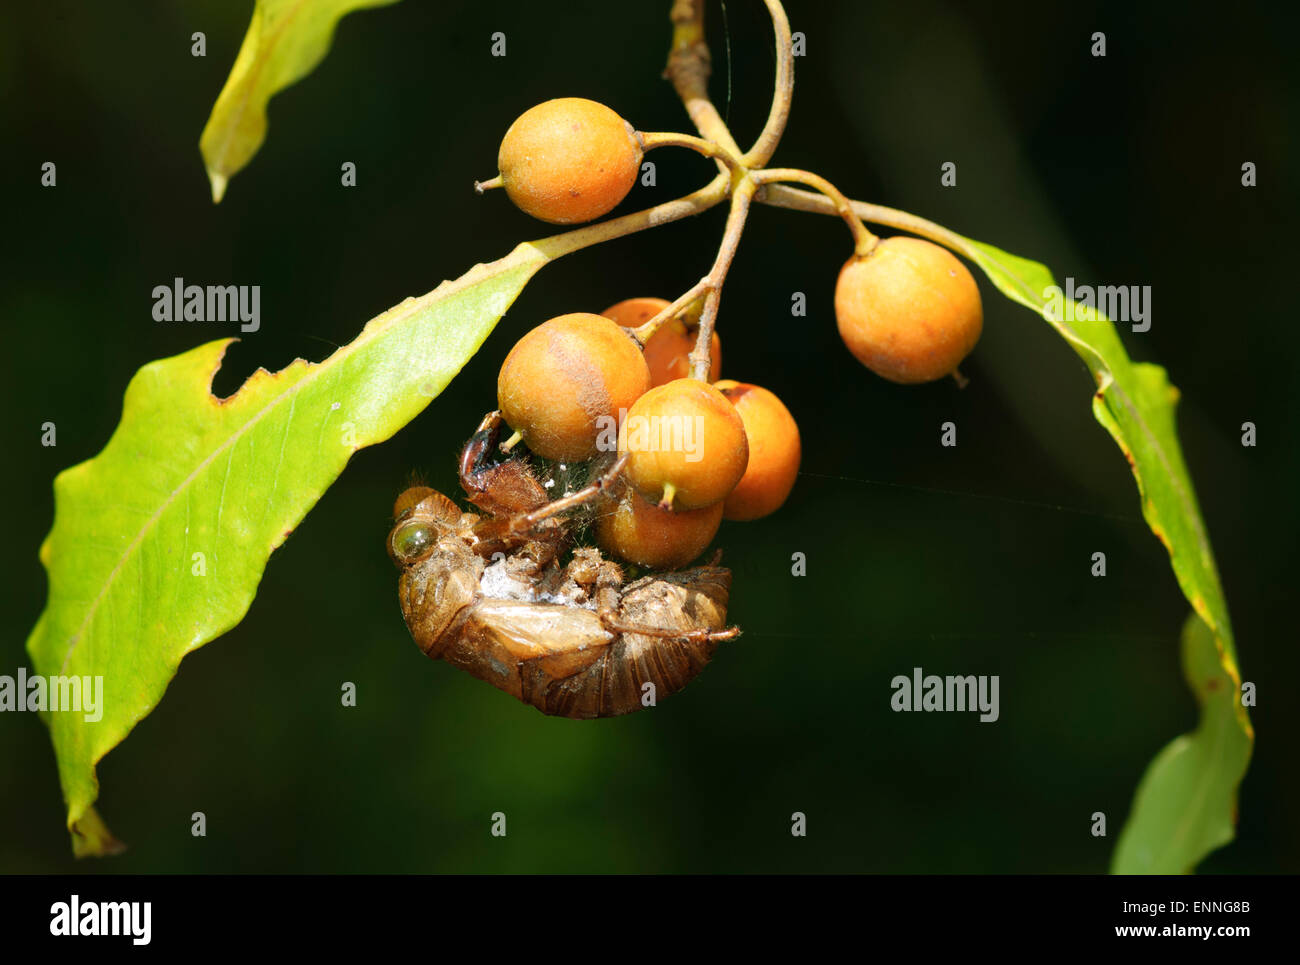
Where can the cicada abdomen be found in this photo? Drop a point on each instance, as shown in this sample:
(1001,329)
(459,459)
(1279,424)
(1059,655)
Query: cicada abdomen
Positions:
(636,669)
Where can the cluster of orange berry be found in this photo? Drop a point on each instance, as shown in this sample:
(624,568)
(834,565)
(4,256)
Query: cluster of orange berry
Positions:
(581,379)
(907,309)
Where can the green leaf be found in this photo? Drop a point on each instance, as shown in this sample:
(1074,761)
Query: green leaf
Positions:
(1135,403)
(285,41)
(1186,804)
(186,473)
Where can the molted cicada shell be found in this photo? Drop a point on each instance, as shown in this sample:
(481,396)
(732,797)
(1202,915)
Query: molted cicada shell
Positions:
(489,595)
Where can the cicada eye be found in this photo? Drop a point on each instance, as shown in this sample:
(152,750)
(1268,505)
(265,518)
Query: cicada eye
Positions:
(412,541)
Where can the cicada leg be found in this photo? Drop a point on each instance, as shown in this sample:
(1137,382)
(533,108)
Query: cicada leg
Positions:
(504,489)
(480,444)
(711,580)
(528,521)
(542,522)
(493,536)
(702,635)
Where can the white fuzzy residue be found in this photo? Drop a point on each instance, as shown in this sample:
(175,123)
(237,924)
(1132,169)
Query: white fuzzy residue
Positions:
(498,583)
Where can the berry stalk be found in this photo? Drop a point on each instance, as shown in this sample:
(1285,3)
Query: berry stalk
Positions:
(727,160)
(863,240)
(795,199)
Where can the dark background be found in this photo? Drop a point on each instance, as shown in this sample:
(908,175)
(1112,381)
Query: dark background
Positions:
(1122,170)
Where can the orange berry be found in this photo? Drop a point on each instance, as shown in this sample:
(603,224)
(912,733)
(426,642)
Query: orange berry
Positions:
(634,312)
(642,533)
(667,349)
(774,451)
(565,381)
(687,444)
(667,353)
(569,160)
(909,310)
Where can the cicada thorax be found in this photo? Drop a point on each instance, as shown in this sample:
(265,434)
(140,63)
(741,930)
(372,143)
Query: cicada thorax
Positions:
(436,592)
(428,502)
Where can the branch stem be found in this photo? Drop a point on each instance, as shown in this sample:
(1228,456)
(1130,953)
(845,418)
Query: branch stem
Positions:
(741,197)
(783,90)
(696,202)
(689,65)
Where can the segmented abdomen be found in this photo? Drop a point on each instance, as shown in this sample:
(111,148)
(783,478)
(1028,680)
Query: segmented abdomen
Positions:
(637,670)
